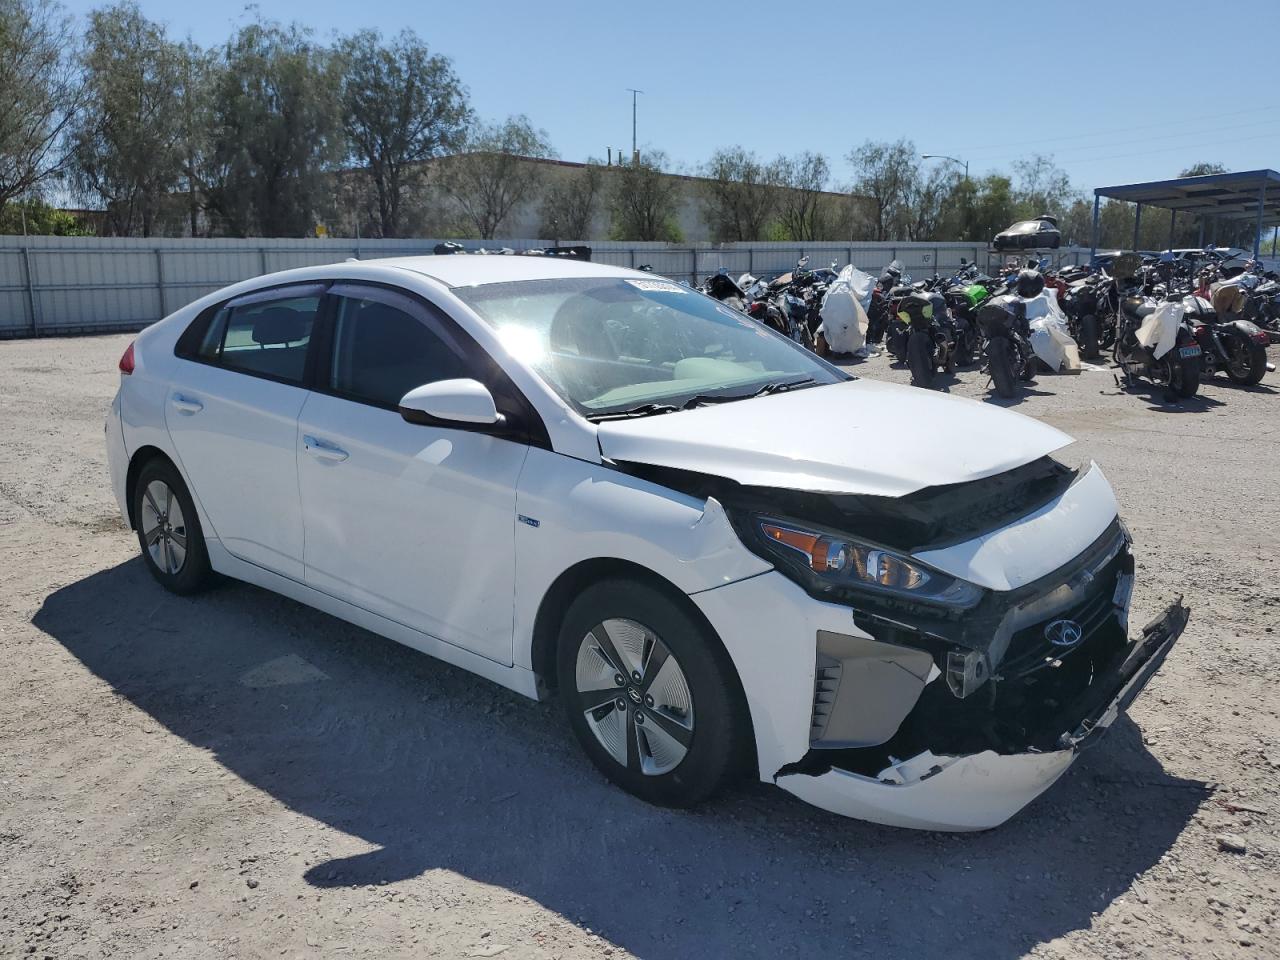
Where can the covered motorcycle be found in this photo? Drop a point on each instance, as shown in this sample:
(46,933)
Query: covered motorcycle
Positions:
(844,312)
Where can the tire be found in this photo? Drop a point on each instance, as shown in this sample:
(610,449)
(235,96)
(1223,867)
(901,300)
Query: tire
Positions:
(1000,360)
(1248,361)
(920,358)
(612,632)
(1184,375)
(1089,337)
(168,528)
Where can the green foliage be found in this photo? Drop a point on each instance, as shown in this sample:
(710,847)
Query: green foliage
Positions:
(36,218)
(494,176)
(644,200)
(401,106)
(570,199)
(277,130)
(128,144)
(39,94)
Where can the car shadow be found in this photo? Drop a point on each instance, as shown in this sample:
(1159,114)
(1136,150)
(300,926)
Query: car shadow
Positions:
(438,769)
(1024,391)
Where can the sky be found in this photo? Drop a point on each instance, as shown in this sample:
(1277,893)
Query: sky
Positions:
(1115,92)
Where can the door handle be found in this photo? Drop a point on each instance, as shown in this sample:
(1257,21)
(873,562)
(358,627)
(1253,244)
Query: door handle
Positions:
(323,449)
(187,405)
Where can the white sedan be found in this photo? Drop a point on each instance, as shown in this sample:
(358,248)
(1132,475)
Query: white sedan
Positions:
(723,554)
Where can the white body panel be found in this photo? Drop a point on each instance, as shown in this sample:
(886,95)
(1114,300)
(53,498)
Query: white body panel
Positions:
(237,438)
(414,523)
(1036,545)
(863,436)
(448,540)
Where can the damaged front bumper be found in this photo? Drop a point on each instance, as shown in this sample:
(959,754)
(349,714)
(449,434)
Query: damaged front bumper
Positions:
(981,790)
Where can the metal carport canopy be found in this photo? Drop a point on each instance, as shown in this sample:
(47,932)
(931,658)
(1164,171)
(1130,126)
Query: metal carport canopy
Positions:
(1251,195)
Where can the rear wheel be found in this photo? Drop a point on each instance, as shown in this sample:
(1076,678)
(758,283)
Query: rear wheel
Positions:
(1000,358)
(920,358)
(1246,360)
(169,530)
(1089,337)
(648,694)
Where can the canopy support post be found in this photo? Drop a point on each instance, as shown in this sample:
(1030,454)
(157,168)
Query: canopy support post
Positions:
(1137,225)
(1093,239)
(1257,234)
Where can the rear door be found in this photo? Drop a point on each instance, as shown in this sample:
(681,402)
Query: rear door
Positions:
(233,415)
(413,522)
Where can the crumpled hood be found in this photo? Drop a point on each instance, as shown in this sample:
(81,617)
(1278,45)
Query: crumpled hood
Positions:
(862,436)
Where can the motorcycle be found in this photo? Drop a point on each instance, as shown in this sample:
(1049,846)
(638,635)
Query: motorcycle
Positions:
(760,306)
(720,287)
(923,335)
(1010,357)
(1153,340)
(1228,343)
(1090,306)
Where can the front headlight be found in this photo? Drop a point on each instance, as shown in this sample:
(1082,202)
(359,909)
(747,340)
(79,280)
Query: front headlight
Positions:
(834,561)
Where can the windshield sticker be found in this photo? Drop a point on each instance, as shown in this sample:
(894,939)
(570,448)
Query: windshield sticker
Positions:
(657,286)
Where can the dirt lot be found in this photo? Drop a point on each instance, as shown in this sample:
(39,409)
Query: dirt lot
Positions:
(235,775)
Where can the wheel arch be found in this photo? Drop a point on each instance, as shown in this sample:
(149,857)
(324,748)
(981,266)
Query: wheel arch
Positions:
(140,458)
(585,573)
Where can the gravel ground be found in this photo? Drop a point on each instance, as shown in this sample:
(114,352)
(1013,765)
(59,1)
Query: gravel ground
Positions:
(235,775)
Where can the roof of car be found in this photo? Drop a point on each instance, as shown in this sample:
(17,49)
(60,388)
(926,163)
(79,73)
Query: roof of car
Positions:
(469,270)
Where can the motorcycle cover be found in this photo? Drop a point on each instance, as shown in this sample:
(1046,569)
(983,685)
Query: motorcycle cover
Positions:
(844,310)
(1050,338)
(1159,330)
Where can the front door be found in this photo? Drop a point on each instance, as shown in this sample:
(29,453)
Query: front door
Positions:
(415,523)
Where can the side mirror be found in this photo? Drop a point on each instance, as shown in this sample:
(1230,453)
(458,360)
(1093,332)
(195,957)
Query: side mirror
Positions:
(964,262)
(448,402)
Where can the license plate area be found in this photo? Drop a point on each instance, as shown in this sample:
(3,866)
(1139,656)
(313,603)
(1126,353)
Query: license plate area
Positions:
(1190,351)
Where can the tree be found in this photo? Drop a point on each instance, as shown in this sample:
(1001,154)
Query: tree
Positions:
(39,94)
(570,201)
(644,200)
(278,132)
(402,106)
(802,179)
(128,139)
(886,173)
(495,175)
(739,195)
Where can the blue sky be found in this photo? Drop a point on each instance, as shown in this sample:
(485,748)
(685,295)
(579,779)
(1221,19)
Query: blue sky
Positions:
(1115,92)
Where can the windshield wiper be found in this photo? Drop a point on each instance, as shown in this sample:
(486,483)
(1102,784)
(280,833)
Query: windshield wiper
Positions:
(782,387)
(643,410)
(702,398)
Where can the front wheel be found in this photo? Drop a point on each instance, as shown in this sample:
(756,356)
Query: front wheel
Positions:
(920,358)
(648,693)
(1183,373)
(1000,357)
(1246,361)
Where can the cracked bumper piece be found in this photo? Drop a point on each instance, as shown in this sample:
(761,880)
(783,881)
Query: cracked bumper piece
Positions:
(983,790)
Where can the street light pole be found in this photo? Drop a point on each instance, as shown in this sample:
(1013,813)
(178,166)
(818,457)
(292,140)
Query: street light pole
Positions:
(635,152)
(939,156)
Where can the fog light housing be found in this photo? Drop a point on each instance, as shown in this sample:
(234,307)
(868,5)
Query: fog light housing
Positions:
(967,670)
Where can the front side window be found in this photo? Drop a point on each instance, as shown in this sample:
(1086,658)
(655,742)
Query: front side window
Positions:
(266,338)
(610,344)
(381,352)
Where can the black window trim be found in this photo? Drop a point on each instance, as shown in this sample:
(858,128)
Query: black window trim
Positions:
(522,422)
(189,342)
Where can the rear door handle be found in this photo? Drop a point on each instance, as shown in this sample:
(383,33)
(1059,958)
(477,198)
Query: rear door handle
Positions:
(187,405)
(323,449)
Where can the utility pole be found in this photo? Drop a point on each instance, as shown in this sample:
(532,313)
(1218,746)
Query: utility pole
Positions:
(635,150)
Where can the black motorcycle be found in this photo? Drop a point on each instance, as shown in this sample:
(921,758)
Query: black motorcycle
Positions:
(1090,305)
(720,287)
(1010,358)
(1228,343)
(1178,368)
(923,334)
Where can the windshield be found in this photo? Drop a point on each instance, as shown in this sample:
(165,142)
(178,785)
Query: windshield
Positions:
(613,344)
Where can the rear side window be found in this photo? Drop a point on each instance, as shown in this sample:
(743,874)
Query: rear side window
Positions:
(381,352)
(268,338)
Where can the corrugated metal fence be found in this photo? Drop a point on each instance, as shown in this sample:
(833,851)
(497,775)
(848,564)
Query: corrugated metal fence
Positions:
(53,285)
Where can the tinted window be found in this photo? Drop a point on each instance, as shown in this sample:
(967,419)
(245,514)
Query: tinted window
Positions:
(269,339)
(380,353)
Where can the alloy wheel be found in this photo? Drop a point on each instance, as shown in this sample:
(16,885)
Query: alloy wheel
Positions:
(635,696)
(164,528)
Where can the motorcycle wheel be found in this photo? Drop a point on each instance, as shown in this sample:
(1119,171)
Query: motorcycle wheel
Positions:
(1089,337)
(1000,357)
(1183,374)
(920,358)
(1246,361)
